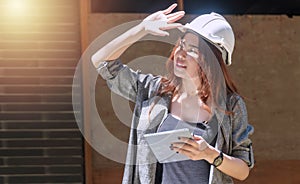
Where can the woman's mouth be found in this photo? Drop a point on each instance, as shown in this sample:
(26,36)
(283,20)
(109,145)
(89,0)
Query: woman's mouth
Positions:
(180,65)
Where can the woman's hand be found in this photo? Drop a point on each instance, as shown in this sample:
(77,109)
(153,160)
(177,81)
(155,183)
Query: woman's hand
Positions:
(158,22)
(196,148)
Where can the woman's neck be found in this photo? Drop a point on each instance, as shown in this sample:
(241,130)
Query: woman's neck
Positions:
(189,86)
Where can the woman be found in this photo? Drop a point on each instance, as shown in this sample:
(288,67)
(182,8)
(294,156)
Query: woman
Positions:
(190,96)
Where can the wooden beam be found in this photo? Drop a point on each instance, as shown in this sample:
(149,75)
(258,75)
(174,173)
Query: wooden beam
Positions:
(180,5)
(85,9)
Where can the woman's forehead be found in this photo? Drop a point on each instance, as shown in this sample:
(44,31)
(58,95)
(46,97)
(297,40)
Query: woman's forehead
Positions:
(191,38)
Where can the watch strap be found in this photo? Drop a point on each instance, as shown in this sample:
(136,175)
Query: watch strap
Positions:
(218,160)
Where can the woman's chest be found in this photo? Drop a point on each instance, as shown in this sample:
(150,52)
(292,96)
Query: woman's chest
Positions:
(190,111)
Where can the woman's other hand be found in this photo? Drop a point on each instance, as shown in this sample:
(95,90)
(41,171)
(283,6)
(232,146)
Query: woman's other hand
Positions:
(195,148)
(158,22)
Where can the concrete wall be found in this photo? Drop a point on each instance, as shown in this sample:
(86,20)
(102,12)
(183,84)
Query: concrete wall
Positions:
(266,67)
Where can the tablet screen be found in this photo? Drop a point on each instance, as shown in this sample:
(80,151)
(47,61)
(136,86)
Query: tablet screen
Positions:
(160,144)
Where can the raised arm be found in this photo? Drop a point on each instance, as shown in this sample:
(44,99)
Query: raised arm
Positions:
(156,24)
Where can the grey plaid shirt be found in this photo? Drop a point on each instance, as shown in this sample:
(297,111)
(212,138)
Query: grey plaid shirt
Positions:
(140,88)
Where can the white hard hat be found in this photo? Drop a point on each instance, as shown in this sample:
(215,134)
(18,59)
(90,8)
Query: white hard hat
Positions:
(215,29)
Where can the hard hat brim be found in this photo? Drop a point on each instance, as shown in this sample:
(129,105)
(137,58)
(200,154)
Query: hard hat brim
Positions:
(214,40)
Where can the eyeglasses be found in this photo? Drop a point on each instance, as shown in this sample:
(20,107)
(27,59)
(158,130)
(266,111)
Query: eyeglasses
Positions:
(191,50)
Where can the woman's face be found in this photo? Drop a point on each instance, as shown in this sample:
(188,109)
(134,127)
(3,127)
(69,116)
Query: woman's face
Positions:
(186,57)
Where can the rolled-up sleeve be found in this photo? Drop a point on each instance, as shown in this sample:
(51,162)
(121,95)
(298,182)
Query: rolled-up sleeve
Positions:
(125,82)
(109,69)
(241,143)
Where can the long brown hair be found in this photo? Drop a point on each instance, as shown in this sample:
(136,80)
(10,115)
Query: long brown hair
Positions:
(230,85)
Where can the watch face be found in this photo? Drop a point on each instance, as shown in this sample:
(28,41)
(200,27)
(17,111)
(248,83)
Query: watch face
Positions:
(218,161)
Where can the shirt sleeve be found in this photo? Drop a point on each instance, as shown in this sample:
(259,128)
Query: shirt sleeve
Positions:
(125,82)
(241,144)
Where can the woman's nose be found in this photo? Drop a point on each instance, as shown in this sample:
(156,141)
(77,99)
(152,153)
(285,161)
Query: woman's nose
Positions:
(182,52)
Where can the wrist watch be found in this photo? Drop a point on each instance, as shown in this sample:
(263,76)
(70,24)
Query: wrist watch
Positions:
(218,160)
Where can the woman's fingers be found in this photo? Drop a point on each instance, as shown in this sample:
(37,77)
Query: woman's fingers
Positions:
(187,150)
(155,16)
(165,15)
(155,27)
(186,143)
(182,146)
(169,9)
(196,144)
(175,16)
(171,26)
(158,22)
(202,145)
(197,137)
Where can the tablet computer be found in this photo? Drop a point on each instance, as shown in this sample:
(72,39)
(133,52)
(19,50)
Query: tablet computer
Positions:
(160,144)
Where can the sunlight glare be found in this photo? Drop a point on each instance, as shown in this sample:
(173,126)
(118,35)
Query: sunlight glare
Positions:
(15,7)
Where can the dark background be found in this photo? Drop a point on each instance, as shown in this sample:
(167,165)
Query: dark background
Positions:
(240,7)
